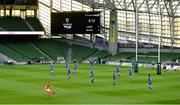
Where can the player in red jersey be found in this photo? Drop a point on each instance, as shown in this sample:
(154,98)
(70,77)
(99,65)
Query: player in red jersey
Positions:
(48,90)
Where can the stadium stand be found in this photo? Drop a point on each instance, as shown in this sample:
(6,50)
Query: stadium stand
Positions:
(35,23)
(144,58)
(101,54)
(24,48)
(12,54)
(53,48)
(170,56)
(13,24)
(153,57)
(80,53)
(122,55)
(167,56)
(18,24)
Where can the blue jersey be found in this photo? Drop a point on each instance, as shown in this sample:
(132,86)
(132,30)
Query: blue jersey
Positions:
(51,67)
(133,63)
(69,71)
(114,76)
(130,71)
(92,73)
(75,67)
(149,81)
(67,66)
(91,63)
(118,69)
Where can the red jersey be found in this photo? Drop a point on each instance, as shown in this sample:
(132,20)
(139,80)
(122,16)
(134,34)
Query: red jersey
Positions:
(47,86)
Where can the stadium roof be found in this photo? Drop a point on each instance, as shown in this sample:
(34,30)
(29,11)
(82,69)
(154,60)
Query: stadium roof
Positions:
(167,7)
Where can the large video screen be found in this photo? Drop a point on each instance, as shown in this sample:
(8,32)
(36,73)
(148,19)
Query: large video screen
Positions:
(75,23)
(19,2)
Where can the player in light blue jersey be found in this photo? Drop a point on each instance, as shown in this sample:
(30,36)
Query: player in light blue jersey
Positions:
(51,68)
(91,62)
(67,66)
(75,68)
(92,76)
(130,74)
(149,82)
(133,63)
(114,78)
(69,74)
(118,70)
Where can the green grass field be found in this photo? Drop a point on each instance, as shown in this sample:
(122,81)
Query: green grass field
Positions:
(24,84)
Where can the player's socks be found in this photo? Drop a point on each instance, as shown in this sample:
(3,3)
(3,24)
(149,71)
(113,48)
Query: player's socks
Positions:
(52,74)
(92,80)
(114,83)
(69,78)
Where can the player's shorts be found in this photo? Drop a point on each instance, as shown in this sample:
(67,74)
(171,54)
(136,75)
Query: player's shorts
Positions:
(51,71)
(47,90)
(149,86)
(118,73)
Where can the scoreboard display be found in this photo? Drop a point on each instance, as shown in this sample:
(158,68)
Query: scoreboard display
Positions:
(75,23)
(19,2)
